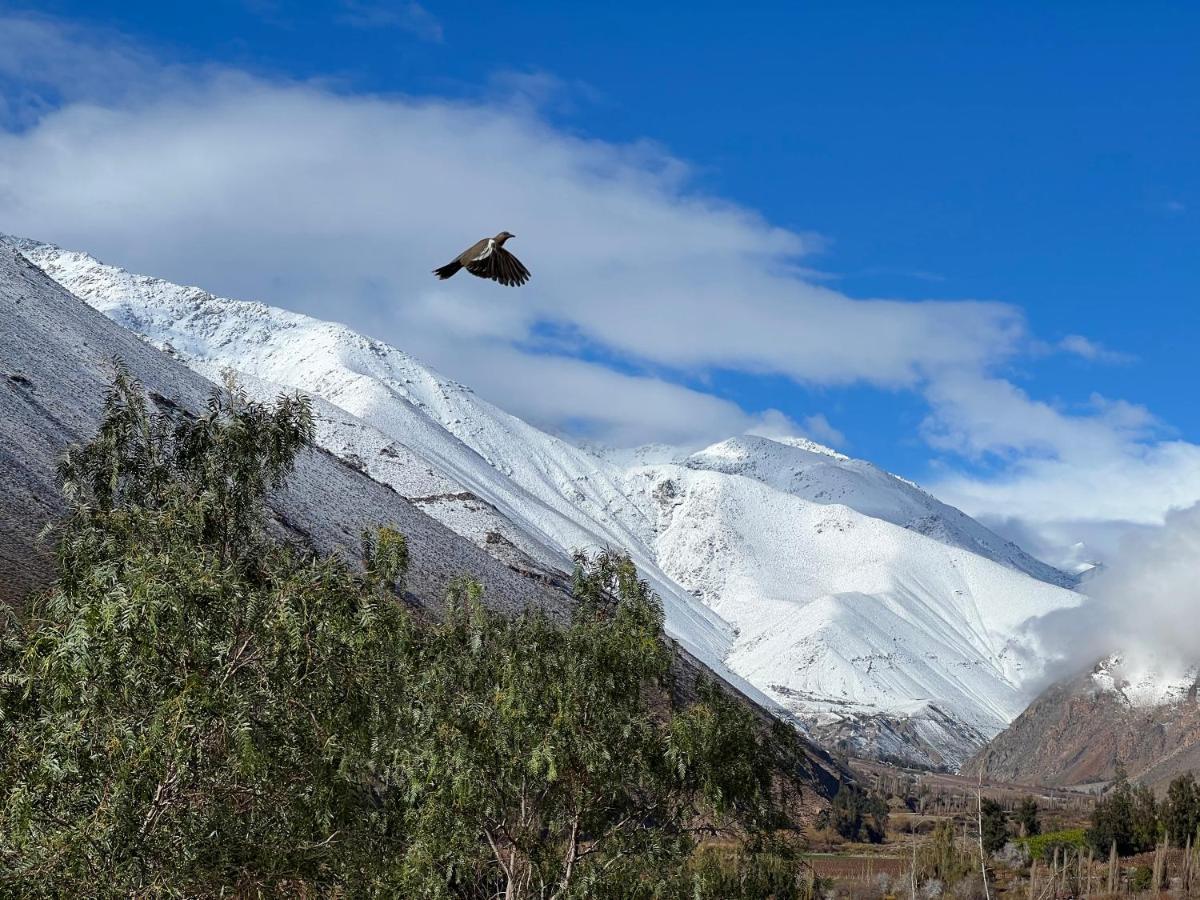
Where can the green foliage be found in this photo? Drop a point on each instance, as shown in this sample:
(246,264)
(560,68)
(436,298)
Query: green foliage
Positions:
(857,815)
(211,471)
(562,779)
(1140,879)
(197,711)
(942,859)
(385,556)
(1181,809)
(194,706)
(1126,816)
(1130,817)
(994,825)
(716,875)
(1026,815)
(1042,846)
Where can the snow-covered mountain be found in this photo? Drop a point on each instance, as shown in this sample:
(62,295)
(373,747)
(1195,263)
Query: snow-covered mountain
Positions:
(807,470)
(848,596)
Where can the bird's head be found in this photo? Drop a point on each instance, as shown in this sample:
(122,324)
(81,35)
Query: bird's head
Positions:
(504,236)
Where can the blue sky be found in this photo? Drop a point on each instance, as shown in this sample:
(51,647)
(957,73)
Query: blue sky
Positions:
(1044,158)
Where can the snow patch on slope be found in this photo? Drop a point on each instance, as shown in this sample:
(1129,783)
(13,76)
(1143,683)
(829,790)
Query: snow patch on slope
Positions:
(841,612)
(1145,684)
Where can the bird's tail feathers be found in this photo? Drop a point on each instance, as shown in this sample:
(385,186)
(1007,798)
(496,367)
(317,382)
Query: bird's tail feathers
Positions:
(448,269)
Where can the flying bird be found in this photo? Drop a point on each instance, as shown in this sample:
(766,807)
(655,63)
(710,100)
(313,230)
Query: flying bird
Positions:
(488,259)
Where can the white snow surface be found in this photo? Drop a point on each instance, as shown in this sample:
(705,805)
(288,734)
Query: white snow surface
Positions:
(1144,683)
(832,587)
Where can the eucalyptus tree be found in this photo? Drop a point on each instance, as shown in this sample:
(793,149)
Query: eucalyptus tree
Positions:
(194,707)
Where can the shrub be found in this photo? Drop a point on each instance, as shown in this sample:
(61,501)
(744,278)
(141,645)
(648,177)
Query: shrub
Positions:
(1026,815)
(1042,846)
(994,824)
(942,860)
(1140,879)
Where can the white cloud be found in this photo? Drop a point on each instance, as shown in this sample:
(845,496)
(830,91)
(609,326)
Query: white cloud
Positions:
(411,17)
(1093,351)
(617,409)
(819,429)
(1091,474)
(1136,484)
(974,415)
(1142,605)
(774,424)
(45,61)
(339,205)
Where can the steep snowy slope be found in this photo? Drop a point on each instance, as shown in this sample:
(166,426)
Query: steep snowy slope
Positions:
(857,601)
(816,473)
(843,616)
(56,361)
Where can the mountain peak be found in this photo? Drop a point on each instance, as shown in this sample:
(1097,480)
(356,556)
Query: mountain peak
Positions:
(832,592)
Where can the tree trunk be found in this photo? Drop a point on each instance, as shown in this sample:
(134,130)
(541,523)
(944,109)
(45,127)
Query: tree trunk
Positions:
(979,817)
(913,834)
(1160,864)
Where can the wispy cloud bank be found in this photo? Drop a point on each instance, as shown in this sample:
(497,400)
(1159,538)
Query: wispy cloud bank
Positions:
(339,204)
(408,16)
(1143,604)
(1093,351)
(1087,473)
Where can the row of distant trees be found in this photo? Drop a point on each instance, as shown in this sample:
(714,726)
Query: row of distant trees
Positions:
(859,815)
(197,710)
(1130,818)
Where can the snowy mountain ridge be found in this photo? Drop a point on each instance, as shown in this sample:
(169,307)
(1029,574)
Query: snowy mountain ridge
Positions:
(1143,684)
(870,610)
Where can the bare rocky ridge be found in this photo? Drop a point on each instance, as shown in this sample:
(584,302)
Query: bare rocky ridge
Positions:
(1076,732)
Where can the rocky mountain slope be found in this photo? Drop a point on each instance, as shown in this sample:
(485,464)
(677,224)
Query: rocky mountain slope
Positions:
(1077,730)
(872,612)
(56,358)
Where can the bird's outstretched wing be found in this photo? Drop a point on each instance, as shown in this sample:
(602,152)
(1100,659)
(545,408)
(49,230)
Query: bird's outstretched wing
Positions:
(501,266)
